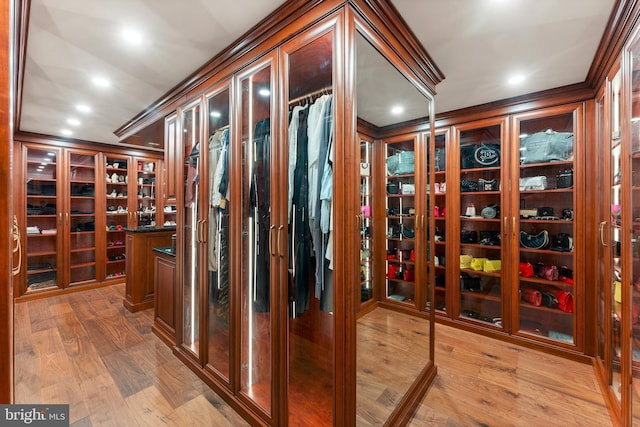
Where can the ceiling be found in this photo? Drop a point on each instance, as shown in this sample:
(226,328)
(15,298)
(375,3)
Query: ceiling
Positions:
(477,44)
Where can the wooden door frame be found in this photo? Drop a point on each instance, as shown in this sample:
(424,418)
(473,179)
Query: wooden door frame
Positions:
(6,199)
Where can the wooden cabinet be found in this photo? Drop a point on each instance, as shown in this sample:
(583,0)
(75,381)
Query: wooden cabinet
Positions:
(60,218)
(77,203)
(140,266)
(164,295)
(507,254)
(269,217)
(367,208)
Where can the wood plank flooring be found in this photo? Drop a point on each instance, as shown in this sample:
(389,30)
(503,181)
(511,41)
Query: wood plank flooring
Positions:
(85,349)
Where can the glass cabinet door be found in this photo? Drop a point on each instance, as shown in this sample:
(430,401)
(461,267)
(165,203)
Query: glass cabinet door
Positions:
(481,157)
(44,219)
(400,186)
(191,235)
(633,248)
(257,248)
(81,217)
(310,153)
(366,220)
(216,216)
(547,201)
(145,185)
(118,213)
(438,208)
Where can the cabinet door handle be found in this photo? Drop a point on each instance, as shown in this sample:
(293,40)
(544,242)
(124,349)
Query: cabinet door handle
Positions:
(602,242)
(505,227)
(279,247)
(422,223)
(204,231)
(60,220)
(513,225)
(17,246)
(271,239)
(67,217)
(200,231)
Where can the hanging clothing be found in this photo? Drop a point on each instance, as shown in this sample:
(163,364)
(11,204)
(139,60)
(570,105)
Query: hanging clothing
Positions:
(294,124)
(260,201)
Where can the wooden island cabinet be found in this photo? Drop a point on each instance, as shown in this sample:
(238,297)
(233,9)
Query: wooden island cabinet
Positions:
(164,311)
(140,242)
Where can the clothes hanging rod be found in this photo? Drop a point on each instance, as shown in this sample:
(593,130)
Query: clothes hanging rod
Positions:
(325,90)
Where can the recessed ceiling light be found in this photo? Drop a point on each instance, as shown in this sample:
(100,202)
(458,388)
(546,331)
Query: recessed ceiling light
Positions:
(83,108)
(397,109)
(66,132)
(73,121)
(100,81)
(51,154)
(215,114)
(514,80)
(132,36)
(264,92)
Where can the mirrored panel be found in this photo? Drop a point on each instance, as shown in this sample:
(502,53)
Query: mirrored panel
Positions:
(392,346)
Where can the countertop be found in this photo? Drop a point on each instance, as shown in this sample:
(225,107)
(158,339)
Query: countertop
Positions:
(165,250)
(150,229)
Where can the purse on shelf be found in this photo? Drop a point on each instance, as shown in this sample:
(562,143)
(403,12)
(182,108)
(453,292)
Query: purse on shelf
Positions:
(546,146)
(365,169)
(533,183)
(468,236)
(401,163)
(467,186)
(562,242)
(477,264)
(564,179)
(465,261)
(487,184)
(490,237)
(565,300)
(534,241)
(526,269)
(492,265)
(532,296)
(470,283)
(491,211)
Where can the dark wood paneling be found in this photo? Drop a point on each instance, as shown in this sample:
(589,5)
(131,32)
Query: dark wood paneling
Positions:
(6,214)
(165,297)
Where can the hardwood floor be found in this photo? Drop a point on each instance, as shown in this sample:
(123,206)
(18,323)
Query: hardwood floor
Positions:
(85,349)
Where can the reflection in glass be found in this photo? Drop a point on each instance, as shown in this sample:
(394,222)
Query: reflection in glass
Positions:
(310,187)
(82,216)
(366,224)
(191,178)
(256,319)
(392,347)
(217,214)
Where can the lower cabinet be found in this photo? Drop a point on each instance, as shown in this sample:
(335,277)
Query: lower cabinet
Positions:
(164,295)
(140,265)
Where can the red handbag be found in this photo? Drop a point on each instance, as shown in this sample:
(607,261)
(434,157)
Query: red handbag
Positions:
(412,255)
(526,269)
(392,271)
(532,296)
(565,300)
(409,275)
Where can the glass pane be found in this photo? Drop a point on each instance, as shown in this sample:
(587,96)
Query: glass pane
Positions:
(547,227)
(191,270)
(480,225)
(400,186)
(366,230)
(146,192)
(43,217)
(82,217)
(218,231)
(117,216)
(635,233)
(439,213)
(256,219)
(615,228)
(310,142)
(603,214)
